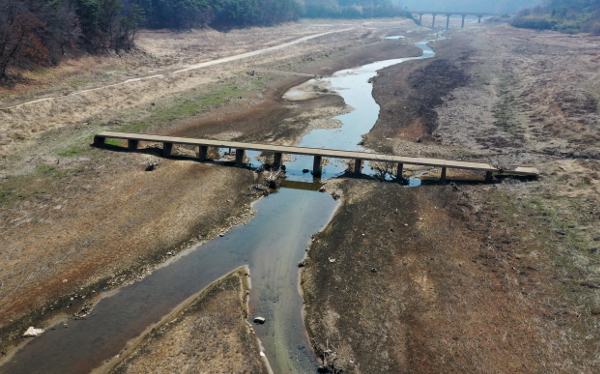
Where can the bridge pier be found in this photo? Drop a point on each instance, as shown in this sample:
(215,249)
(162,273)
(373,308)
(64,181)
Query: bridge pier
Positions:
(167,149)
(433,23)
(399,172)
(448,21)
(277,159)
(463,21)
(443,178)
(99,140)
(203,153)
(358,166)
(317,171)
(239,156)
(318,154)
(132,144)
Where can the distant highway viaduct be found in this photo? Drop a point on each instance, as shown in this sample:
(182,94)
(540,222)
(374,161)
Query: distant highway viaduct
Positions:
(449,14)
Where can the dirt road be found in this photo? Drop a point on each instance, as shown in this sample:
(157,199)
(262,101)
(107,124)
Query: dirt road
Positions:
(455,278)
(78,220)
(186,69)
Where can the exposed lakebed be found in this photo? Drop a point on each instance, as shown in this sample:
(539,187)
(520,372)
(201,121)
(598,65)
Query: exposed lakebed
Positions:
(271,244)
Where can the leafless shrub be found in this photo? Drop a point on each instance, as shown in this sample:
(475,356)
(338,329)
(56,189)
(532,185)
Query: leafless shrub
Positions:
(383,170)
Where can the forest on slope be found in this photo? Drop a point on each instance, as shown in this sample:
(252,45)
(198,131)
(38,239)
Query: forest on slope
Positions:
(41,32)
(352,9)
(567,16)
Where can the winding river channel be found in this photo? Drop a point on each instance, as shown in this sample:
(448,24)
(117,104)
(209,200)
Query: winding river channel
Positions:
(271,244)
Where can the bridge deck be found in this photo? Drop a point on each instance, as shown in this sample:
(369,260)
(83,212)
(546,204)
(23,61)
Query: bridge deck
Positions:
(315,152)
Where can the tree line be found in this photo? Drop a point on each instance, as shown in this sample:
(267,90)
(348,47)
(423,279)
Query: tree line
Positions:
(352,9)
(567,16)
(186,14)
(353,12)
(40,32)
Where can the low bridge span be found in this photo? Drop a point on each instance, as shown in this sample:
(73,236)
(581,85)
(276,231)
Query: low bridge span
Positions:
(450,14)
(317,153)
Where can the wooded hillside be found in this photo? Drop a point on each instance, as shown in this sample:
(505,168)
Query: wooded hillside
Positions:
(567,16)
(41,32)
(352,9)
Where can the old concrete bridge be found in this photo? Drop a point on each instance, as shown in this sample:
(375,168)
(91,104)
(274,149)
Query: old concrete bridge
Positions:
(449,14)
(318,154)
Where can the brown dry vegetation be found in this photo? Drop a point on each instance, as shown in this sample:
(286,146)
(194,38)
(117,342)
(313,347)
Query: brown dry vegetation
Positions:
(472,278)
(495,91)
(73,230)
(465,281)
(209,335)
(157,52)
(87,95)
(76,219)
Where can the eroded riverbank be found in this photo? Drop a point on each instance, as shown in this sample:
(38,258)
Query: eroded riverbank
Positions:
(210,331)
(104,222)
(468,277)
(294,264)
(271,244)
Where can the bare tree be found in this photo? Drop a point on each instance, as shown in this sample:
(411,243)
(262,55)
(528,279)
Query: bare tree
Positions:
(21,36)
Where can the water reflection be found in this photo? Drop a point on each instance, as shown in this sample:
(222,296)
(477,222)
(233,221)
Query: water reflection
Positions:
(272,244)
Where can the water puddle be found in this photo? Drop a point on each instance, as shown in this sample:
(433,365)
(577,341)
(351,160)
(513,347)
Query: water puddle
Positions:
(271,244)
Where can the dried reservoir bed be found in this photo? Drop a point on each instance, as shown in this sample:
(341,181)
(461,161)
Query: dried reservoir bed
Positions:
(210,333)
(468,277)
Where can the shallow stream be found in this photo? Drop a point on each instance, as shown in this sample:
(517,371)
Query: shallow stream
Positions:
(271,244)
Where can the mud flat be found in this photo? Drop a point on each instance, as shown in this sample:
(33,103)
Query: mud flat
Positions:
(308,90)
(102,220)
(234,114)
(468,277)
(210,332)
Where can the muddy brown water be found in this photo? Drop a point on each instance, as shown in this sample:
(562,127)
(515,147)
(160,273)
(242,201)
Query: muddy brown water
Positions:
(271,244)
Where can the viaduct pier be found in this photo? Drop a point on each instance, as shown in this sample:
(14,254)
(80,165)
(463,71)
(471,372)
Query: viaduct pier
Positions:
(318,154)
(450,14)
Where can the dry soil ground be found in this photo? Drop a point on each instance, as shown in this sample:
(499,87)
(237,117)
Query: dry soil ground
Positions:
(76,219)
(466,277)
(209,335)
